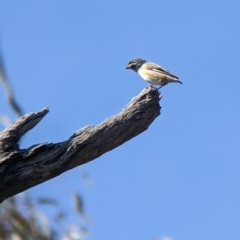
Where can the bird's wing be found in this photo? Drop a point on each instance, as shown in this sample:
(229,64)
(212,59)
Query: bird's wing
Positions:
(157,68)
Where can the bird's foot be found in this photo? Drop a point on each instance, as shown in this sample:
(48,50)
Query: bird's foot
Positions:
(151,86)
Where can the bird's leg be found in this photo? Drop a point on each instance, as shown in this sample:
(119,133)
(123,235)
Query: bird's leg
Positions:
(162,85)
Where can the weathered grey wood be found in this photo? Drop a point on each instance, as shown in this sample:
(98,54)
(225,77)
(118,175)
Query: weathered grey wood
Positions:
(21,169)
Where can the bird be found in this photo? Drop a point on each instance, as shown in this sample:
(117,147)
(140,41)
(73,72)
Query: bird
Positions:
(152,72)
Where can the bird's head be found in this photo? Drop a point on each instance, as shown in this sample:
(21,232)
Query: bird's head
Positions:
(135,64)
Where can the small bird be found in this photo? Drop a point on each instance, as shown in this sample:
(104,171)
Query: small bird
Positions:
(152,72)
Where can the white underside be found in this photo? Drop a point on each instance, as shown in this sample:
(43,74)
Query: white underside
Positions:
(155,78)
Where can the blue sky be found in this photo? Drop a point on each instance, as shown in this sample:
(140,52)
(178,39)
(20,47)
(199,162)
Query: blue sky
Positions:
(180,178)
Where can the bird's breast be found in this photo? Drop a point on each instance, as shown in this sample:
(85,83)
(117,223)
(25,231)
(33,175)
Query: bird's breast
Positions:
(151,76)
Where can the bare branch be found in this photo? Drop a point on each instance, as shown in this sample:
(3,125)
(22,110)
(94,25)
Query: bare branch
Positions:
(9,93)
(22,169)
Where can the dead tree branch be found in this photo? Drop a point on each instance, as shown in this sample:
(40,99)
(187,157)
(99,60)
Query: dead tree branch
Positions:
(9,93)
(21,169)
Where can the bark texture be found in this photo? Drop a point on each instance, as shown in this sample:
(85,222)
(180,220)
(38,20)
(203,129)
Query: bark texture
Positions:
(21,169)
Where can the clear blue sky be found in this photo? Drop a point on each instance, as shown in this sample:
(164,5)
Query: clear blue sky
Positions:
(180,178)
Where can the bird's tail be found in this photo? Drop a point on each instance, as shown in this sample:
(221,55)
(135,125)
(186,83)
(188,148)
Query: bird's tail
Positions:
(179,81)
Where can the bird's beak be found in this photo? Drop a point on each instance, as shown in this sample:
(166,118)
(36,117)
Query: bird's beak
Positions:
(129,66)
